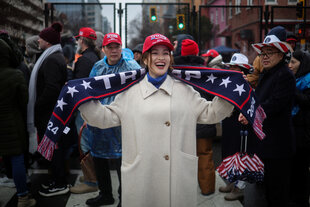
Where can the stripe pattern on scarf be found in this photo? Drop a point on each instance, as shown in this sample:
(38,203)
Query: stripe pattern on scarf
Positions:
(227,84)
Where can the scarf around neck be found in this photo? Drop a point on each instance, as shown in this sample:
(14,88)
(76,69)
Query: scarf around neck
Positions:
(227,84)
(32,89)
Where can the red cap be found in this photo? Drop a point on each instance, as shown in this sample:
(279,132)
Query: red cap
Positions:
(212,53)
(110,38)
(87,32)
(291,39)
(189,47)
(156,39)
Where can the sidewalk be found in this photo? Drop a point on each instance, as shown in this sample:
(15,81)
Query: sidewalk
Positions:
(215,200)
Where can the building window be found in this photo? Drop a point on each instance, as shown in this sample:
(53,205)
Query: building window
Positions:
(216,17)
(222,14)
(270,1)
(212,18)
(230,10)
(237,9)
(292,2)
(250,2)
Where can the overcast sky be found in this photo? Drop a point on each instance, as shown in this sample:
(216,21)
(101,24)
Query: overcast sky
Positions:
(109,14)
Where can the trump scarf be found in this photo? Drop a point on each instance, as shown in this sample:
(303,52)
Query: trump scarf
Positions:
(227,84)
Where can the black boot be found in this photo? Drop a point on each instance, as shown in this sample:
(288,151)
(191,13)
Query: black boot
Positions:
(100,200)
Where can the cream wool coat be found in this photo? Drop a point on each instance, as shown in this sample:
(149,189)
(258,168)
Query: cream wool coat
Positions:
(159,163)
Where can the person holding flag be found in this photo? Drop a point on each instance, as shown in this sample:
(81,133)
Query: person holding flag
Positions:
(157,110)
(275,91)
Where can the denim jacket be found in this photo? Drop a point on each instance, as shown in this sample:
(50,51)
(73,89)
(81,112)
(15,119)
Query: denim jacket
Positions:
(106,143)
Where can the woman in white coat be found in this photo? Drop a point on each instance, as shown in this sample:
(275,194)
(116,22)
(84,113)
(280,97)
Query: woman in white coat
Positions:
(158,117)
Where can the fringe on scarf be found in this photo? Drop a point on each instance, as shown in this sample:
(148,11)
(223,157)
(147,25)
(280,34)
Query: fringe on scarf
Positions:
(47,147)
(258,122)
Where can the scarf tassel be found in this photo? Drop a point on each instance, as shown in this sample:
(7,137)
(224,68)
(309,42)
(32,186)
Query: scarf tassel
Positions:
(47,147)
(258,122)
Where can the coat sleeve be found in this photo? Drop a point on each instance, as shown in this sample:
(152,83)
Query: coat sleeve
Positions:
(101,116)
(211,112)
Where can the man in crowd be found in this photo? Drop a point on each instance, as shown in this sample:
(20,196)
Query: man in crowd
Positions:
(86,40)
(275,93)
(87,48)
(137,52)
(47,79)
(106,143)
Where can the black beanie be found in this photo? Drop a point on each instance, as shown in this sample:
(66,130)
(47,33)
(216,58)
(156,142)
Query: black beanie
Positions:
(52,34)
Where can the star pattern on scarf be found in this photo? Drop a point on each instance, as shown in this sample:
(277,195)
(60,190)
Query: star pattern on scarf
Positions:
(225,82)
(61,103)
(86,85)
(211,78)
(240,89)
(72,90)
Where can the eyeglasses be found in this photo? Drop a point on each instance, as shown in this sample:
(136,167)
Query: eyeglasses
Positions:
(267,54)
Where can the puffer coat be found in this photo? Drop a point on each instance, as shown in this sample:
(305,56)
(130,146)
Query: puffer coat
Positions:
(13,105)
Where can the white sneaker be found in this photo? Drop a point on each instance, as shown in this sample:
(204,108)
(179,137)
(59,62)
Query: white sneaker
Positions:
(7,182)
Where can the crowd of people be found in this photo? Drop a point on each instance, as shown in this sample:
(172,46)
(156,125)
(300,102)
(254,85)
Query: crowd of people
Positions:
(158,134)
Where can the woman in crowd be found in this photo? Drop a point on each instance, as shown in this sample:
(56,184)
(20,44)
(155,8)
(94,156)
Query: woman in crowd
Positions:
(13,130)
(158,117)
(300,66)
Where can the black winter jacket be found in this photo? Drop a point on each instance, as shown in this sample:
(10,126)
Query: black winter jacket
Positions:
(52,76)
(275,92)
(301,120)
(13,105)
(85,63)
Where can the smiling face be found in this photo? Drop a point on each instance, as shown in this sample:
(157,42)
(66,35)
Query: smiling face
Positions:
(158,60)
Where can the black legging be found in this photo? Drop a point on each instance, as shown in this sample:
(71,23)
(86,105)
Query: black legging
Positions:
(104,177)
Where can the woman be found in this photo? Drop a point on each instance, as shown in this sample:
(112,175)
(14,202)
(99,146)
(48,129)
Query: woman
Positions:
(158,117)
(13,131)
(300,66)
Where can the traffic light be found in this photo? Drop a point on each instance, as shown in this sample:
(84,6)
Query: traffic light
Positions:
(299,30)
(153,14)
(180,21)
(300,9)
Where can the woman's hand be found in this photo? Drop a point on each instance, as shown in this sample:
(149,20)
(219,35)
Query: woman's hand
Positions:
(242,119)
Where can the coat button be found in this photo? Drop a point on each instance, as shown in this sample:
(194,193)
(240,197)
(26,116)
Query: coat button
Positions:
(166,157)
(167,123)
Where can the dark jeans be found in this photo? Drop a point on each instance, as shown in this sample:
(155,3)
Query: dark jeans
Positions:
(104,177)
(18,170)
(277,181)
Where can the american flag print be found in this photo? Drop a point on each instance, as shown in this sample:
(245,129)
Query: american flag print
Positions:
(229,85)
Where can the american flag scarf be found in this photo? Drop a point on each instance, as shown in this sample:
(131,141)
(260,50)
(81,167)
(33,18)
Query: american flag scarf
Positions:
(227,84)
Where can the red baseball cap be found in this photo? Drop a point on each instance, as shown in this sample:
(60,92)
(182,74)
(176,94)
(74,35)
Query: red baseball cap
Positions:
(87,32)
(212,53)
(110,38)
(156,39)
